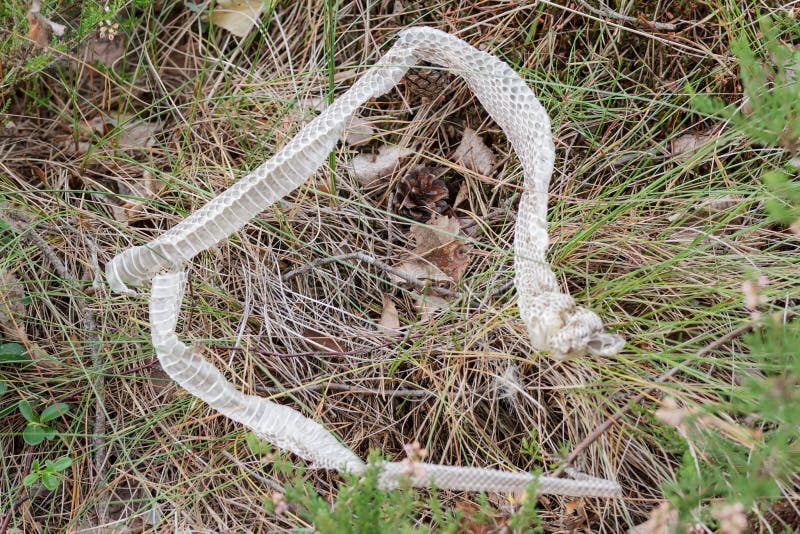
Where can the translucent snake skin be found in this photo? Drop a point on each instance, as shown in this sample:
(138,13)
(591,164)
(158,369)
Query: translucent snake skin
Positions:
(555,324)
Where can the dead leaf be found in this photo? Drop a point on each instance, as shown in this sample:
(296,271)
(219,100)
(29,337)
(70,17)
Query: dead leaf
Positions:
(125,132)
(12,313)
(710,219)
(710,209)
(359,131)
(390,319)
(462,194)
(39,26)
(716,206)
(370,167)
(38,32)
(451,258)
(472,522)
(574,514)
(441,230)
(682,147)
(440,254)
(428,305)
(12,307)
(132,132)
(473,153)
(181,63)
(132,208)
(237,16)
(104,51)
(120,511)
(440,244)
(322,340)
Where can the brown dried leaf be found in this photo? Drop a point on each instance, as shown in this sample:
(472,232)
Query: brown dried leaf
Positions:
(322,340)
(696,217)
(473,153)
(462,194)
(38,32)
(451,258)
(359,131)
(181,63)
(122,511)
(441,245)
(390,319)
(39,26)
(682,147)
(468,525)
(440,254)
(237,16)
(716,206)
(133,209)
(428,305)
(105,51)
(440,231)
(132,134)
(368,168)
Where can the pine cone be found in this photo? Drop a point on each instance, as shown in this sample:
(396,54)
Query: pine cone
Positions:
(419,194)
(428,83)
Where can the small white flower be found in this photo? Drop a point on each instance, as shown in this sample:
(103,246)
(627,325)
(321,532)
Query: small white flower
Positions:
(278,500)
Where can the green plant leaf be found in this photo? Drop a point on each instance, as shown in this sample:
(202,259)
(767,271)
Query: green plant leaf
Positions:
(60,464)
(3,388)
(256,445)
(30,479)
(27,412)
(49,432)
(50,481)
(34,434)
(54,411)
(14,353)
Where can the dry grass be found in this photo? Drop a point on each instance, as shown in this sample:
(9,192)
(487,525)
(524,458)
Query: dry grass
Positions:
(634,237)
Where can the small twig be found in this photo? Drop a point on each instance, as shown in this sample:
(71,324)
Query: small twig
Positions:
(419,393)
(605,11)
(375,263)
(600,430)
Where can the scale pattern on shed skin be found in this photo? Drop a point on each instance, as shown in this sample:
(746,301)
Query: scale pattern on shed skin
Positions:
(555,324)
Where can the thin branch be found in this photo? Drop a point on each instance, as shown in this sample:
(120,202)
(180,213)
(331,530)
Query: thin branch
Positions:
(605,11)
